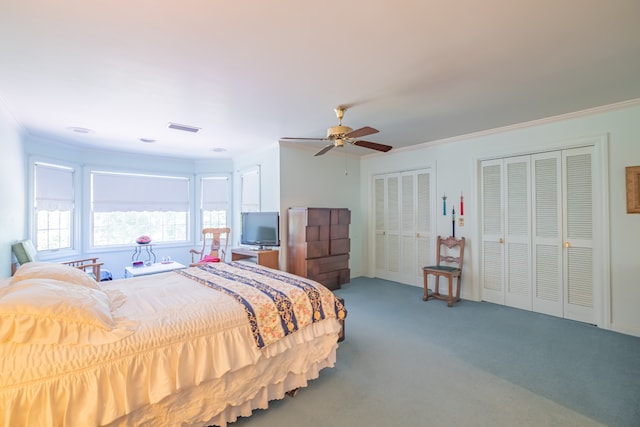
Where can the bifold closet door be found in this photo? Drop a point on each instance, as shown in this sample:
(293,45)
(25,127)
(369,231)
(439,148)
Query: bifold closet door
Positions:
(387,224)
(547,233)
(506,231)
(403,217)
(492,265)
(578,235)
(537,225)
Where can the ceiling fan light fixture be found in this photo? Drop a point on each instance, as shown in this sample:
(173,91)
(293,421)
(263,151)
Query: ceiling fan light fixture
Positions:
(338,131)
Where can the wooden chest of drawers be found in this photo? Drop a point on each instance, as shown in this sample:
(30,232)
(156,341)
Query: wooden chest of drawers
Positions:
(318,244)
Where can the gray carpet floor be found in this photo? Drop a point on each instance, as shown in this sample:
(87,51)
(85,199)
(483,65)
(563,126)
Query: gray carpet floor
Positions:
(406,362)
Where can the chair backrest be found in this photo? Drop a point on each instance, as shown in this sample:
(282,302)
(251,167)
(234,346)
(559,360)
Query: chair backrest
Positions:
(215,236)
(24,252)
(447,253)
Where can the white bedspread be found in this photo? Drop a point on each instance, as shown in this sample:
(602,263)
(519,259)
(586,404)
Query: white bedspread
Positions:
(191,360)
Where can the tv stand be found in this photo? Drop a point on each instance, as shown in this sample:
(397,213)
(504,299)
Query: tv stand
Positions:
(264,257)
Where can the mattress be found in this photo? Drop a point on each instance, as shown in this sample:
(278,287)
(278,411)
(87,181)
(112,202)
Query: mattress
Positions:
(188,356)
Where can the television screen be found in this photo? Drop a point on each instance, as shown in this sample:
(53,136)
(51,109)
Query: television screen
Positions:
(260,229)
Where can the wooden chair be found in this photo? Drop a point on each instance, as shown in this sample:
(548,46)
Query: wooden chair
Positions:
(216,252)
(445,249)
(24,252)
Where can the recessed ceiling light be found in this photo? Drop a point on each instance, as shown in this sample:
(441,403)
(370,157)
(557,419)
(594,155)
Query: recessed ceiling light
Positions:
(78,129)
(148,140)
(218,150)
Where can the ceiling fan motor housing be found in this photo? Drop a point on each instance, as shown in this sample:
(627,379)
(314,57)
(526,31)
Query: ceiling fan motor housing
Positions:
(337,131)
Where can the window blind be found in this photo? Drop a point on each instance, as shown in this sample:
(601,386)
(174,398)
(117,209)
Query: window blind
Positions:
(116,192)
(215,193)
(53,187)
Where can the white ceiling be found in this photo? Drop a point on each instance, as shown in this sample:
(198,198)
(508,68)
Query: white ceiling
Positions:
(250,72)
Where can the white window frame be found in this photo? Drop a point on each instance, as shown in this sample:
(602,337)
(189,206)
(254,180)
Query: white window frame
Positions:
(74,242)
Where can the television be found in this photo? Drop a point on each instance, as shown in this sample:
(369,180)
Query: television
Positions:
(261,229)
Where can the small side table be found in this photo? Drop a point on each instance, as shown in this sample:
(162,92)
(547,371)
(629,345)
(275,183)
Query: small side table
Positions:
(156,268)
(267,258)
(138,249)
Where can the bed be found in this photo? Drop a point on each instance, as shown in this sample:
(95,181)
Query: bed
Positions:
(200,346)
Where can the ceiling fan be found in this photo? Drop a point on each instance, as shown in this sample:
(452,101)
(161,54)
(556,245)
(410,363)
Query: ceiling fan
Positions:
(340,134)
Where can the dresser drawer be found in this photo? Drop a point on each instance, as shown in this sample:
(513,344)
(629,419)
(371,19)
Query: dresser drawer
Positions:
(339,231)
(317,232)
(318,216)
(333,279)
(330,263)
(318,248)
(340,216)
(339,246)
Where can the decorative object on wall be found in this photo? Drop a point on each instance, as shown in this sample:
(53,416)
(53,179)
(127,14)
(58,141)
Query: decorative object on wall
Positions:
(633,189)
(444,205)
(461,204)
(453,222)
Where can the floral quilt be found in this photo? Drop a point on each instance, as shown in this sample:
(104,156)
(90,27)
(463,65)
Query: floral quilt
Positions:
(276,303)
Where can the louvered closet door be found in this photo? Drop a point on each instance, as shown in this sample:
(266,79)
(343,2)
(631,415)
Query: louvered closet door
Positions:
(578,235)
(403,224)
(492,263)
(547,233)
(388,240)
(392,224)
(517,227)
(379,195)
(407,228)
(425,243)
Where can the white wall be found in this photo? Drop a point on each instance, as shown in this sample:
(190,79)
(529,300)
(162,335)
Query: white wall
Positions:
(456,165)
(12,189)
(328,181)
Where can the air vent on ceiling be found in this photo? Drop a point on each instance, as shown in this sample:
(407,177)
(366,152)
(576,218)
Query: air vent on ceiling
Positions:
(185,128)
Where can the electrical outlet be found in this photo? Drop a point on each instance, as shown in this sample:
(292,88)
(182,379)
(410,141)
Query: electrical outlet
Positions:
(461,222)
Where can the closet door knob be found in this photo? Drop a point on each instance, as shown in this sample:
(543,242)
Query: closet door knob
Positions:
(501,240)
(567,245)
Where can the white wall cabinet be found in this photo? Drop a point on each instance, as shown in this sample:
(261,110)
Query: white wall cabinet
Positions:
(537,233)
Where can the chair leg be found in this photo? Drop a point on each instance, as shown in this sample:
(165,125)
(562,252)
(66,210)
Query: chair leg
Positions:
(436,289)
(450,296)
(426,288)
(458,290)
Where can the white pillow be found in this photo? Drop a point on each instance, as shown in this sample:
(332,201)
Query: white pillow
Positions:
(52,270)
(47,311)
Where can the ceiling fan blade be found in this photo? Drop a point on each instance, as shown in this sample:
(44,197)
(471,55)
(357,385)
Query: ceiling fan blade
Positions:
(304,139)
(361,132)
(373,145)
(324,150)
